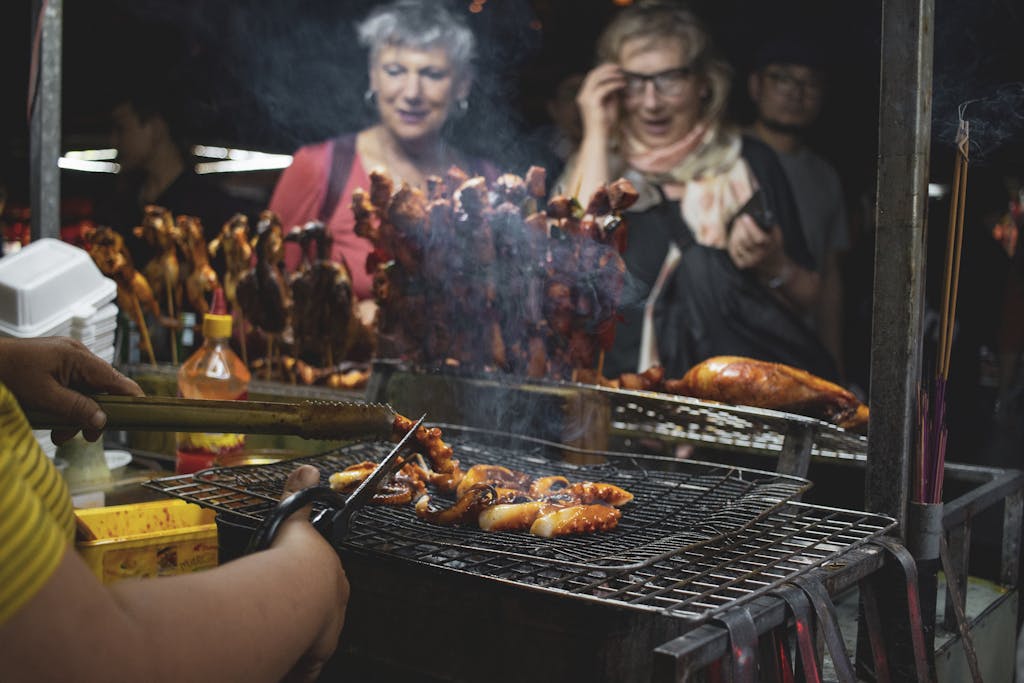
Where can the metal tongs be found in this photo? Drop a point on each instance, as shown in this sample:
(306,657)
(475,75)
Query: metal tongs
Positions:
(308,419)
(335,521)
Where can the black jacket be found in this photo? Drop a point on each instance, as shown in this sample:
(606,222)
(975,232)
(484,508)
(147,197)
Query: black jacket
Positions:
(709,307)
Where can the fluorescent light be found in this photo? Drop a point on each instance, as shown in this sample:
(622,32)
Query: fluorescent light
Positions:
(72,164)
(937,191)
(262,162)
(93,155)
(211,152)
(231,160)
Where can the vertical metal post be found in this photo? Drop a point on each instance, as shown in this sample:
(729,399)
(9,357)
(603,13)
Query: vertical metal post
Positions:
(900,215)
(900,235)
(47,25)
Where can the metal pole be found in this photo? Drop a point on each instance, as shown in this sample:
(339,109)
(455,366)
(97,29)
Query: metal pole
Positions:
(900,246)
(900,216)
(47,24)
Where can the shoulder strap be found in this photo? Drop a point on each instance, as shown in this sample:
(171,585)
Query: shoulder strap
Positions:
(342,156)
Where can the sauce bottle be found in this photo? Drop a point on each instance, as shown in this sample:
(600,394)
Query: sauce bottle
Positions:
(214,371)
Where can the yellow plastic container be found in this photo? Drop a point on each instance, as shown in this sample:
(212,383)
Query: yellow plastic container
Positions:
(159,538)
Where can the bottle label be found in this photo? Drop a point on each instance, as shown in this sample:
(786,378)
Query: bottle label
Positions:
(198,450)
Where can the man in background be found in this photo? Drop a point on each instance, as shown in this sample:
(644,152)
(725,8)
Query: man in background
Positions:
(787,87)
(149,132)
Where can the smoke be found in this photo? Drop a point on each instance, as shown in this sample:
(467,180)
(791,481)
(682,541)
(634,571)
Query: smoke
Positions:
(994,118)
(977,73)
(280,74)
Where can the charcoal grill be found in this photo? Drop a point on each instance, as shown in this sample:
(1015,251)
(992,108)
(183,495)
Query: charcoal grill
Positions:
(698,539)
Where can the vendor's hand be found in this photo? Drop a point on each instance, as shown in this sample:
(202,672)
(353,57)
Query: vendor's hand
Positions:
(298,531)
(47,375)
(750,246)
(598,99)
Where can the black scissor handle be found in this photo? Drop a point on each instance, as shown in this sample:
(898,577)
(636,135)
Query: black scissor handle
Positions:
(268,529)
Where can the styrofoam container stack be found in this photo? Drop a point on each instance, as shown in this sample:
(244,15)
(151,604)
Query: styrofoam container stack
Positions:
(53,289)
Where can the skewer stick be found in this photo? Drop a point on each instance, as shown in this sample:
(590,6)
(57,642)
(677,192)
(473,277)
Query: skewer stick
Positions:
(144,331)
(961,154)
(242,337)
(579,186)
(171,313)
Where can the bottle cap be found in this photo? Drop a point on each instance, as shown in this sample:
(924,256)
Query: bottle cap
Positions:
(217,323)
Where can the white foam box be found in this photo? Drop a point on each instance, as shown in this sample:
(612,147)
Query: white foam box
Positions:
(45,285)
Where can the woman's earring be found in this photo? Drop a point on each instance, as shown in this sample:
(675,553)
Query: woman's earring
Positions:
(370,97)
(463,105)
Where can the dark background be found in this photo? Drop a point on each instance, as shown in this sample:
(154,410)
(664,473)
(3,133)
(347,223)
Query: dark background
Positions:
(276,74)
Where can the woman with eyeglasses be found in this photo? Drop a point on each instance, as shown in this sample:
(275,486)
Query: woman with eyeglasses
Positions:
(714,244)
(420,75)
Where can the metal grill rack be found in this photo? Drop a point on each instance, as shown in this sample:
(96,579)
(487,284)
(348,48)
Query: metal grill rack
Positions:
(727,427)
(693,542)
(596,413)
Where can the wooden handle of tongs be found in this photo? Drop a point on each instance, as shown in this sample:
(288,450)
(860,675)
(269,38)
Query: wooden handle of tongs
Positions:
(309,419)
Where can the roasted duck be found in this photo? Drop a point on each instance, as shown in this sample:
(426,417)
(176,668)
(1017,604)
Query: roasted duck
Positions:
(163,271)
(263,293)
(201,279)
(234,242)
(749,382)
(106,247)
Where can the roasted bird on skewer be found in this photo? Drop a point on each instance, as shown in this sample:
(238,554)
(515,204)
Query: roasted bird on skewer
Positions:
(477,276)
(745,381)
(200,278)
(491,497)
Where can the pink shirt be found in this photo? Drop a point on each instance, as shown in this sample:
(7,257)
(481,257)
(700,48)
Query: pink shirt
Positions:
(300,193)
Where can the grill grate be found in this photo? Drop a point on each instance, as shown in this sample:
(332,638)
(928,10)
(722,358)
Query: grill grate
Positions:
(634,413)
(728,427)
(695,540)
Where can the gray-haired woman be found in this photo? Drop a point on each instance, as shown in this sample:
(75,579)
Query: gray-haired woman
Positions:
(421,70)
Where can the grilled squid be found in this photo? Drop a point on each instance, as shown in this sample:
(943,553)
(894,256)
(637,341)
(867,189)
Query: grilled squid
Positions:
(446,482)
(578,519)
(393,493)
(495,475)
(438,451)
(546,486)
(587,492)
(464,511)
(351,476)
(513,516)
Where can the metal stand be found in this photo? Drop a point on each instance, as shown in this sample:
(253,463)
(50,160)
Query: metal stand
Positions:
(47,25)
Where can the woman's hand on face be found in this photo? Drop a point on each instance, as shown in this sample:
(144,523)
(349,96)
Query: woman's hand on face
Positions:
(598,99)
(750,246)
(298,531)
(48,375)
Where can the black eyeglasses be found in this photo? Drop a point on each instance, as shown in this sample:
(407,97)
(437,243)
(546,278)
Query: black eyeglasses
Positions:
(791,84)
(668,83)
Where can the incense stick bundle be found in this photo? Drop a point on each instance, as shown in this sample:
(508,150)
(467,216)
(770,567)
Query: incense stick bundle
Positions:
(954,249)
(931,454)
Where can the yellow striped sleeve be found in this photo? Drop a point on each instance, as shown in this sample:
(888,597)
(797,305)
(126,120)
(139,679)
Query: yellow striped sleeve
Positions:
(36,518)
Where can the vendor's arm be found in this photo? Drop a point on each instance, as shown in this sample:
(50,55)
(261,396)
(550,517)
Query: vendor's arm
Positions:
(250,620)
(764,253)
(598,100)
(47,374)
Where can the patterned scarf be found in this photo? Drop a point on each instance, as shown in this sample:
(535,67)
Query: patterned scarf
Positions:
(703,170)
